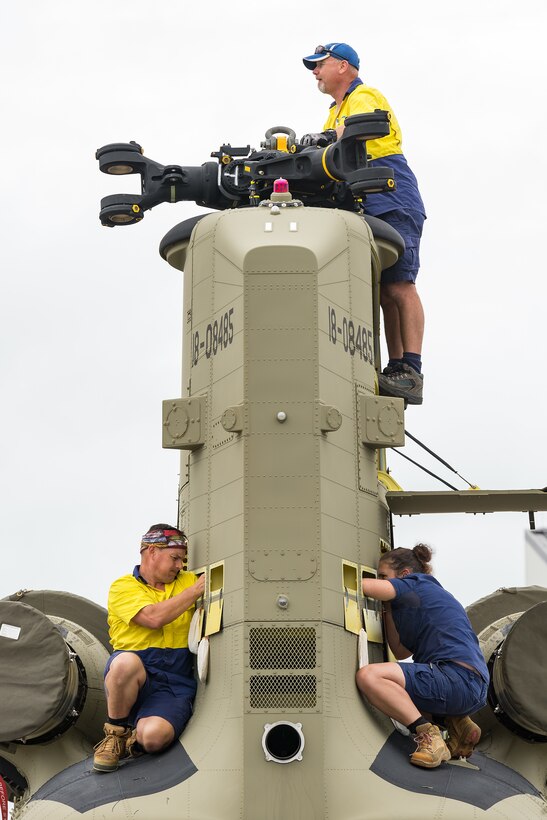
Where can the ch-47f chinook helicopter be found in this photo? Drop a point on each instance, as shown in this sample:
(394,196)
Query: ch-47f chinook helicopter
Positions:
(287,503)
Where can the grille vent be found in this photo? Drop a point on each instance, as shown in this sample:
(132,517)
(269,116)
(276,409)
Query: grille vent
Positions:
(282,691)
(282,648)
(278,650)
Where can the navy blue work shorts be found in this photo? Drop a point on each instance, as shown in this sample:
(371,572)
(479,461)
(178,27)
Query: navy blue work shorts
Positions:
(409,224)
(162,695)
(444,688)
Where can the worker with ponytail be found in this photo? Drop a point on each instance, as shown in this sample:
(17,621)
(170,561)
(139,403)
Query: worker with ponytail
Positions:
(448,679)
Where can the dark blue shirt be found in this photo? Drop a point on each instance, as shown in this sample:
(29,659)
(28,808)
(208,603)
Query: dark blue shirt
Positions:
(432,624)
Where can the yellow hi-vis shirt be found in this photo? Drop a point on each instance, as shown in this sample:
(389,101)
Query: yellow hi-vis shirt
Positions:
(363,100)
(128,595)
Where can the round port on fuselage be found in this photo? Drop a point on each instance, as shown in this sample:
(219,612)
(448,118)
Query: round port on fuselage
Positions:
(283,741)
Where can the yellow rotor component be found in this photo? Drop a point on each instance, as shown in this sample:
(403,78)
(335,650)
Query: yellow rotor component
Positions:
(389,483)
(324,164)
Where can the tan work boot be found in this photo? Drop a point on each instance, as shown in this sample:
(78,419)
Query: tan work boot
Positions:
(130,749)
(432,749)
(463,736)
(109,751)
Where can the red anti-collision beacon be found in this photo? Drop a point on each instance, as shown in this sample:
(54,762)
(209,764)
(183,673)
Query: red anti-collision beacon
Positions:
(281,193)
(281,186)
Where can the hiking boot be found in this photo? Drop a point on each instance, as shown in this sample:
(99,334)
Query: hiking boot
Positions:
(463,736)
(432,750)
(111,749)
(403,382)
(133,748)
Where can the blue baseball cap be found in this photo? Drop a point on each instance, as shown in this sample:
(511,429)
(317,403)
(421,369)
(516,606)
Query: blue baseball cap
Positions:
(340,51)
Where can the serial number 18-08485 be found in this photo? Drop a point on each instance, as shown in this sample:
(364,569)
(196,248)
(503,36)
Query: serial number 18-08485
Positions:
(354,338)
(218,335)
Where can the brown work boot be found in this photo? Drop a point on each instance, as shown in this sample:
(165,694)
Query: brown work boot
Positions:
(133,748)
(432,749)
(463,736)
(109,751)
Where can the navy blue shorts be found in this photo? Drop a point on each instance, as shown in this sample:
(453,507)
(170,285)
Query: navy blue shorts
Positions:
(409,224)
(444,688)
(162,695)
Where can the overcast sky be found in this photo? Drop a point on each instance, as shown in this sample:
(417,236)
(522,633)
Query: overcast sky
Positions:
(91,317)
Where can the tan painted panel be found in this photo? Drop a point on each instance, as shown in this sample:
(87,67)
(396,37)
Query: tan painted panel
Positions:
(282,565)
(226,501)
(300,419)
(228,392)
(337,537)
(283,526)
(201,305)
(226,540)
(262,491)
(337,465)
(288,380)
(277,302)
(339,501)
(198,483)
(227,276)
(263,459)
(283,341)
(304,599)
(360,263)
(226,465)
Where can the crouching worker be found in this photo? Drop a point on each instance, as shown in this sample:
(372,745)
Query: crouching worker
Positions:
(448,680)
(149,681)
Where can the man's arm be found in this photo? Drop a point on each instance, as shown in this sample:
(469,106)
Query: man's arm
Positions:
(154,616)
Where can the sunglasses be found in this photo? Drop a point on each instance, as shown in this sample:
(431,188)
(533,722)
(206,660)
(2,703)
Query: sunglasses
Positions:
(323,50)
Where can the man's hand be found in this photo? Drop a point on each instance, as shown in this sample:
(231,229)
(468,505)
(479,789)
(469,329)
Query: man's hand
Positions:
(321,140)
(199,586)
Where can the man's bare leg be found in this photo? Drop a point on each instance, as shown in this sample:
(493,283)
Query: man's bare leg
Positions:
(403,318)
(125,678)
(392,326)
(154,734)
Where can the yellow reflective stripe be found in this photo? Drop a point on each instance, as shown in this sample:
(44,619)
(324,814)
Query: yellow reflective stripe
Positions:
(325,169)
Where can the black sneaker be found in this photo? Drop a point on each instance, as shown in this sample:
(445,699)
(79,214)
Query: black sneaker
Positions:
(402,381)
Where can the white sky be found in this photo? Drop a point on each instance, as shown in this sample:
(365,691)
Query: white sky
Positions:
(91,318)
